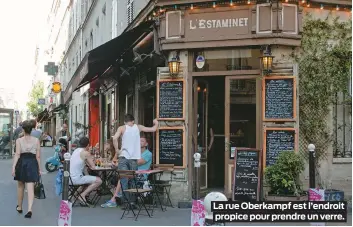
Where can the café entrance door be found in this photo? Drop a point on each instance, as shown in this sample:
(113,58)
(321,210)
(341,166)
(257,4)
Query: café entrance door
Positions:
(242,120)
(200,135)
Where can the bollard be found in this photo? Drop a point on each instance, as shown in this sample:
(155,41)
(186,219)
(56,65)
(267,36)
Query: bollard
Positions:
(311,149)
(197,164)
(65,194)
(210,197)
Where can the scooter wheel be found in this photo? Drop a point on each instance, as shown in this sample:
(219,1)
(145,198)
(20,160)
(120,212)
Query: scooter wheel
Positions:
(50,167)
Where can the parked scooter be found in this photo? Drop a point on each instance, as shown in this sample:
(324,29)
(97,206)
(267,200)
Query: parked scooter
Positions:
(54,162)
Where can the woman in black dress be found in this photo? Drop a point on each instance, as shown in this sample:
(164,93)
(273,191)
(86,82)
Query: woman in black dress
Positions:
(26,166)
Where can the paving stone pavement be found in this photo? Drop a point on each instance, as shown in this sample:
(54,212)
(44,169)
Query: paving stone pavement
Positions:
(45,212)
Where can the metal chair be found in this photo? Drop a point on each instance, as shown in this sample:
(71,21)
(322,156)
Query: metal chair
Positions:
(131,193)
(164,187)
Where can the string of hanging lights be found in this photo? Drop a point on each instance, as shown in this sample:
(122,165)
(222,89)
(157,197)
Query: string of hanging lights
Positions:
(235,3)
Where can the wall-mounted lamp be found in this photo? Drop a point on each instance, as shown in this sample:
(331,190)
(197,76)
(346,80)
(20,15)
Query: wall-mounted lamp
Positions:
(174,67)
(266,61)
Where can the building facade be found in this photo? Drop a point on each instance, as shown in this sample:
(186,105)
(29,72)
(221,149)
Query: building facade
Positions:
(218,104)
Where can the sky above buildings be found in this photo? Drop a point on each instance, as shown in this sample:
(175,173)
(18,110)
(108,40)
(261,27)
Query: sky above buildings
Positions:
(23,26)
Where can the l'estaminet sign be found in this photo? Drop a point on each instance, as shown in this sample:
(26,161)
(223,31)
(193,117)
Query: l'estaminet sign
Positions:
(220,23)
(217,25)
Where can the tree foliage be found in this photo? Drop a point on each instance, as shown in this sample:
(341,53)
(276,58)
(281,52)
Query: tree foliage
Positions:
(37,92)
(324,70)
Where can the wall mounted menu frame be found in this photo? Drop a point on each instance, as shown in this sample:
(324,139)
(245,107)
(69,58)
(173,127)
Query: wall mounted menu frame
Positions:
(258,172)
(292,131)
(291,113)
(171,111)
(180,163)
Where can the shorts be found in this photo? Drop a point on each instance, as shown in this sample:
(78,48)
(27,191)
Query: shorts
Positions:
(88,179)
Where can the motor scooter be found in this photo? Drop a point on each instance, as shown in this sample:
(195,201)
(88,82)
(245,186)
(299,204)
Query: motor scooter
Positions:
(54,162)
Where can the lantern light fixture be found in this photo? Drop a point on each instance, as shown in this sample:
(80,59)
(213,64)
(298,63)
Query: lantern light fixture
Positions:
(214,5)
(337,8)
(231,3)
(249,1)
(266,61)
(192,7)
(174,67)
(322,6)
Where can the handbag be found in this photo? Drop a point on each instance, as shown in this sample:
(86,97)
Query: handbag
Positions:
(39,192)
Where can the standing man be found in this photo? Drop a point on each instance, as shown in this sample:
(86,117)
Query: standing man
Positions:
(17,131)
(36,133)
(130,151)
(63,132)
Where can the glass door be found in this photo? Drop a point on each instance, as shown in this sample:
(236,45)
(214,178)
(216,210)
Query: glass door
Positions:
(242,109)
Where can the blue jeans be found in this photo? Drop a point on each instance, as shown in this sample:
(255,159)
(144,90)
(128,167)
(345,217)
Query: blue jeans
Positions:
(127,164)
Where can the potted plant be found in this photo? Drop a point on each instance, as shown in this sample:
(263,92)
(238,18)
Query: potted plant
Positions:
(283,178)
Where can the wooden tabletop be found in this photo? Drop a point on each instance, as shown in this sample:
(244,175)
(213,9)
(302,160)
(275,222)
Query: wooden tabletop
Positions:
(149,171)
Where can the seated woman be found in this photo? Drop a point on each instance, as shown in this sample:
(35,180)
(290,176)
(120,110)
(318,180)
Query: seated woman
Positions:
(144,163)
(46,138)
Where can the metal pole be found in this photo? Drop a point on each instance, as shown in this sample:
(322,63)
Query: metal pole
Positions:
(311,149)
(197,165)
(65,194)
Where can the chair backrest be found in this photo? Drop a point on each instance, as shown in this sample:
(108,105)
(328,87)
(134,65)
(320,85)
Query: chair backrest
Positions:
(164,167)
(126,173)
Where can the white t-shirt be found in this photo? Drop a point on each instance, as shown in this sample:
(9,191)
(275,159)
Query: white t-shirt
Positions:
(76,163)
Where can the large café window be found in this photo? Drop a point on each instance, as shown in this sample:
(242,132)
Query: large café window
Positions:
(228,59)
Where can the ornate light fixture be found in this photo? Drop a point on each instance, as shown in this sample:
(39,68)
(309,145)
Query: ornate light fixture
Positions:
(174,67)
(266,61)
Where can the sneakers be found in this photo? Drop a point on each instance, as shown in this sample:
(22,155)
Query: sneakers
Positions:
(109,204)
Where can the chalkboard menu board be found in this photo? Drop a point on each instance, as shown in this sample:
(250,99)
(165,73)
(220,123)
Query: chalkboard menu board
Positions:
(278,140)
(246,184)
(170,146)
(279,99)
(170,99)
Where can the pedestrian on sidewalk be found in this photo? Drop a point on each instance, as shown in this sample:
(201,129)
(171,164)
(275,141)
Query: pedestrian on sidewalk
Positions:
(26,166)
(130,151)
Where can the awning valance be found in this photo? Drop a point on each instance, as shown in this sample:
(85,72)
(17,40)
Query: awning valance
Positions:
(98,60)
(43,116)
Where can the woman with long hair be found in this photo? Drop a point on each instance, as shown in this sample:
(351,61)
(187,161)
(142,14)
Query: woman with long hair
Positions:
(26,166)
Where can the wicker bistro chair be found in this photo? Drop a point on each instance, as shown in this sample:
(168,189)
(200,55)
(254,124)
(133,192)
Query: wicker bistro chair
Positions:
(163,187)
(133,194)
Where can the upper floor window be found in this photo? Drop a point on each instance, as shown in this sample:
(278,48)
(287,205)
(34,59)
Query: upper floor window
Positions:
(130,11)
(91,40)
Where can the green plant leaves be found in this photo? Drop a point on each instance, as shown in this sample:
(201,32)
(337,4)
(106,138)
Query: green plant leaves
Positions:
(283,176)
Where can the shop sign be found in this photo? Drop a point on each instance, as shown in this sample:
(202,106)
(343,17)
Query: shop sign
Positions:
(200,62)
(224,25)
(41,101)
(220,23)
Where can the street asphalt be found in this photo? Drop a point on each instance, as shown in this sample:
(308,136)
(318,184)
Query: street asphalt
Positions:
(45,212)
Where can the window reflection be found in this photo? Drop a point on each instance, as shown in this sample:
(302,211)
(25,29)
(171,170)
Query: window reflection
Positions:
(230,59)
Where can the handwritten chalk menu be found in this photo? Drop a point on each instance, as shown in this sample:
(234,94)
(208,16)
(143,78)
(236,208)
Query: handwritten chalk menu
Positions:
(277,141)
(170,99)
(170,146)
(246,175)
(279,99)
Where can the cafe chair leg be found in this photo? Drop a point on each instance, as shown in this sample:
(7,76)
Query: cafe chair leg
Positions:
(141,204)
(167,192)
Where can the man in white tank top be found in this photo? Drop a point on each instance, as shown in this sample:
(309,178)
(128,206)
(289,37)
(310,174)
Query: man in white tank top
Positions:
(130,145)
(79,158)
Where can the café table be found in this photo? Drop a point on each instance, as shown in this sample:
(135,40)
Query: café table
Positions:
(106,174)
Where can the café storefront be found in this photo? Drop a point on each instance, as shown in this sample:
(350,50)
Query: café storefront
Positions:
(222,99)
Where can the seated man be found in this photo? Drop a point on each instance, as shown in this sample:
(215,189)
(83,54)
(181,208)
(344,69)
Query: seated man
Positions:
(79,158)
(143,164)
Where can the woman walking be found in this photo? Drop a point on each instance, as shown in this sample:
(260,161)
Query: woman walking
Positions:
(26,166)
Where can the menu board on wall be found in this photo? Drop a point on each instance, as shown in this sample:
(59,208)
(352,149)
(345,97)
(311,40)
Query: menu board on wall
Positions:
(171,99)
(247,169)
(277,140)
(170,146)
(279,98)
